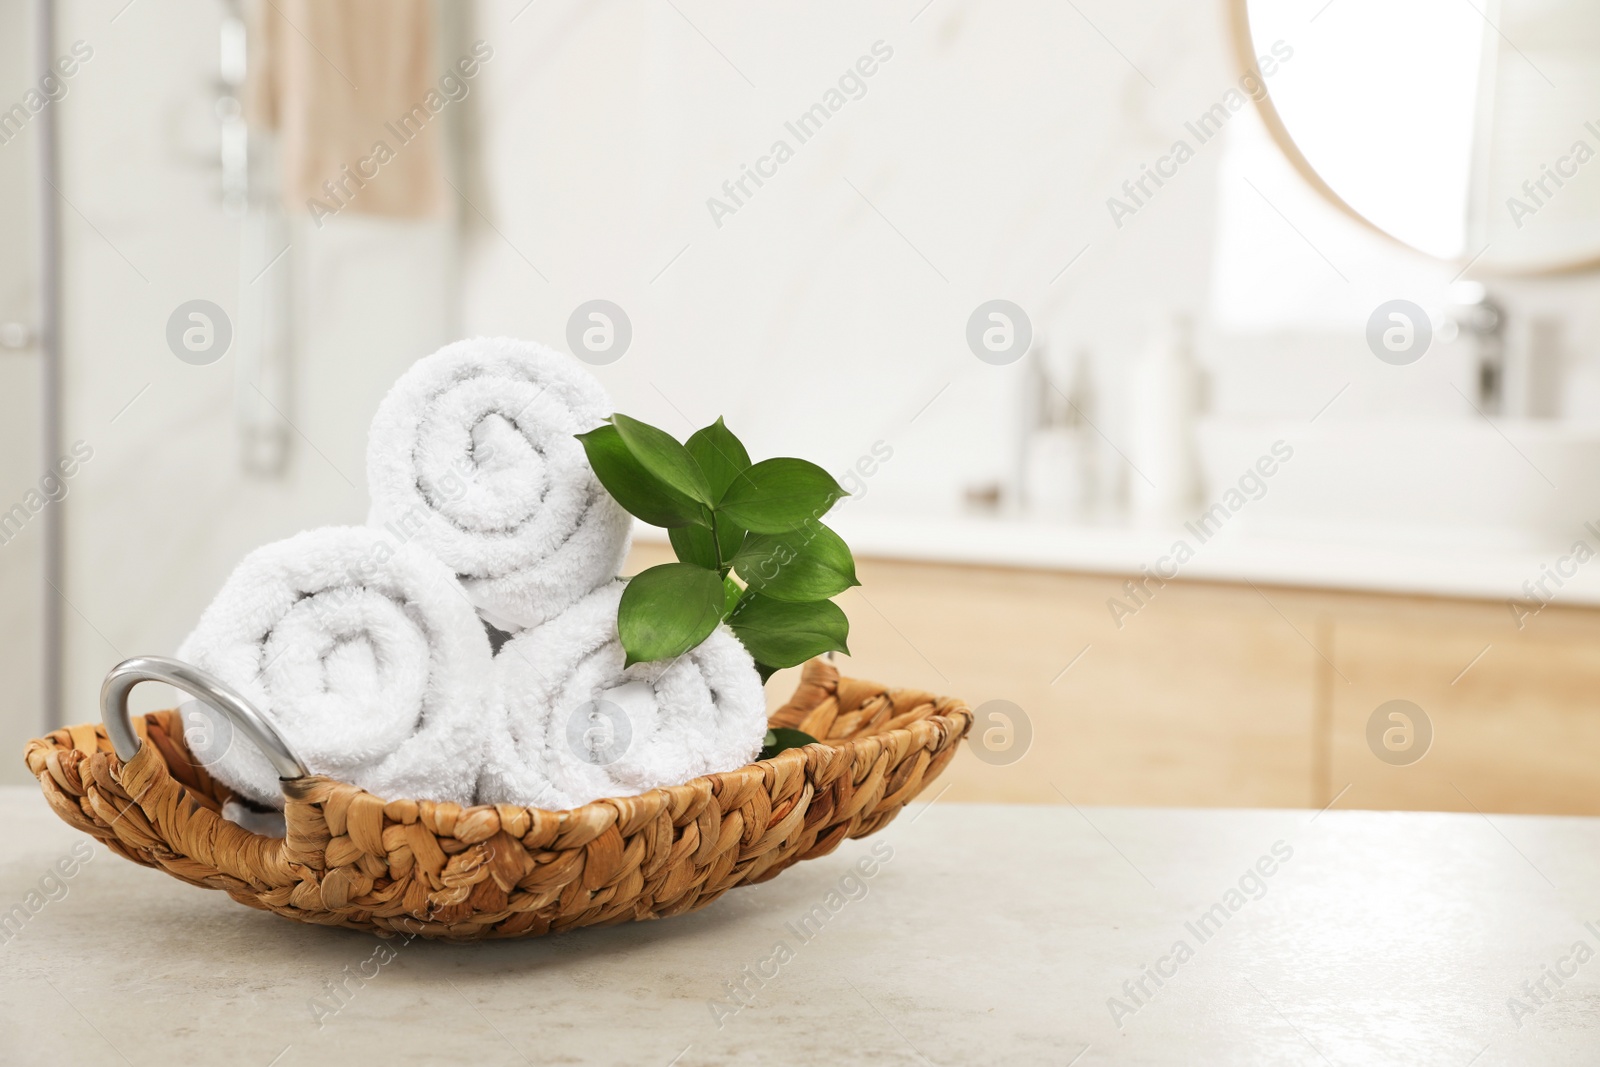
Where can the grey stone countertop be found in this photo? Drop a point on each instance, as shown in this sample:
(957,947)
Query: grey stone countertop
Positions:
(959,934)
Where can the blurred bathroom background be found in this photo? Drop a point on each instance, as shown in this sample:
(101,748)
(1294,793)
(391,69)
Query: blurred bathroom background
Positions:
(1305,288)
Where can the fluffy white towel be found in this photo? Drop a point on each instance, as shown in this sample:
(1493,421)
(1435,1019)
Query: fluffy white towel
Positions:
(473,453)
(364,654)
(572,726)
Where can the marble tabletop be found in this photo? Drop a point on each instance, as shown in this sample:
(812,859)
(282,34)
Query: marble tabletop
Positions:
(959,934)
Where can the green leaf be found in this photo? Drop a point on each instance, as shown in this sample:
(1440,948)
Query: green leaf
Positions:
(693,544)
(661,454)
(668,610)
(765,672)
(721,456)
(731,592)
(782,634)
(632,484)
(730,536)
(784,738)
(778,495)
(812,563)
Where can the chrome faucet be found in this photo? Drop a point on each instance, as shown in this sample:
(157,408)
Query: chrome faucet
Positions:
(1484,319)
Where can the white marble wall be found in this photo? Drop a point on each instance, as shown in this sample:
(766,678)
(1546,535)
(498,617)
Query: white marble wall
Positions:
(830,309)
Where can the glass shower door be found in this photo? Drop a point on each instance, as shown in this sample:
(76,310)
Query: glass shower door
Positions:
(26,488)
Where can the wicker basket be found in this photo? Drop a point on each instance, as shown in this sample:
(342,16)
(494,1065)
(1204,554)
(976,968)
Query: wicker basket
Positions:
(492,871)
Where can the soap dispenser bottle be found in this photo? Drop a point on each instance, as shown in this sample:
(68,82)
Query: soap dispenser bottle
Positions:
(1166,392)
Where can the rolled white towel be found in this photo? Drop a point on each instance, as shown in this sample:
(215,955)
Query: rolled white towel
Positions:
(571,725)
(473,454)
(365,655)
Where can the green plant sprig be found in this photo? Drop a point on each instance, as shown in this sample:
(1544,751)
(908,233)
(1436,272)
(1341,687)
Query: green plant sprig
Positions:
(751,551)
(781,739)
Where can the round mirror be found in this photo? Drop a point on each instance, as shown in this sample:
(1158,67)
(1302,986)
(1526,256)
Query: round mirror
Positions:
(1468,131)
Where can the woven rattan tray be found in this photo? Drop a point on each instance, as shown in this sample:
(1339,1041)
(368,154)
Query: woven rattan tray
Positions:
(494,871)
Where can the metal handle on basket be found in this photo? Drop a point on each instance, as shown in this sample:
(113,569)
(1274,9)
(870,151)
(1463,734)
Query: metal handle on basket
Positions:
(197,683)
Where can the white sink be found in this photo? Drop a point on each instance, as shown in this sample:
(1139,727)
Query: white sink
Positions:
(1512,481)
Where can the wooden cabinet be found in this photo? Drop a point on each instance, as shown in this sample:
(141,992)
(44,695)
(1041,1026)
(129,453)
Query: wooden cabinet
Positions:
(1221,695)
(1516,731)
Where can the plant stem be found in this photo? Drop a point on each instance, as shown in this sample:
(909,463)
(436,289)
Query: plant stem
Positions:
(716,547)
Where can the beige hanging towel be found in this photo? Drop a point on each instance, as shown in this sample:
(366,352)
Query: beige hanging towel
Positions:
(349,87)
